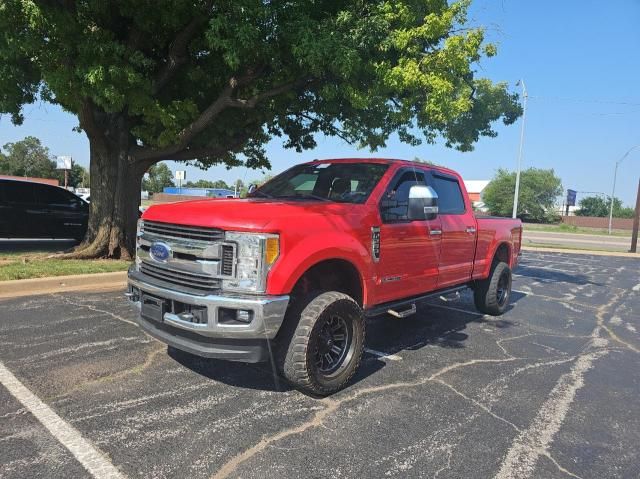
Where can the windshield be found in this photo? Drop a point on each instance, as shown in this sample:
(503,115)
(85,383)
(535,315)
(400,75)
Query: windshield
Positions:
(340,182)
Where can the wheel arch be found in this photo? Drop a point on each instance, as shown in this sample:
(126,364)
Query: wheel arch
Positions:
(502,254)
(332,274)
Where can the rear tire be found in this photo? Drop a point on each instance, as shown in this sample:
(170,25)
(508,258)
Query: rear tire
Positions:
(491,295)
(322,343)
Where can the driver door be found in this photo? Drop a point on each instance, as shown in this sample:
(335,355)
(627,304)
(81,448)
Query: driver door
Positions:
(409,250)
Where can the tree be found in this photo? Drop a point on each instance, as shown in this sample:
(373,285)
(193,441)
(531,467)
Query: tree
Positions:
(538,192)
(159,176)
(599,206)
(208,184)
(212,82)
(27,157)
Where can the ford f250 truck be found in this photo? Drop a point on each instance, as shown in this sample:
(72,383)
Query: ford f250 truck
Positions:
(291,272)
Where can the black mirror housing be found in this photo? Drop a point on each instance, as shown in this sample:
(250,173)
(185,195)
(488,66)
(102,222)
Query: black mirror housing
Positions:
(423,203)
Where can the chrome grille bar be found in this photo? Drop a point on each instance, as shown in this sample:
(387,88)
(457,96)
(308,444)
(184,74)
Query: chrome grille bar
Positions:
(180,278)
(171,230)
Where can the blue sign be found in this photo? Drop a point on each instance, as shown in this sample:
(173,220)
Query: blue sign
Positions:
(160,251)
(571,197)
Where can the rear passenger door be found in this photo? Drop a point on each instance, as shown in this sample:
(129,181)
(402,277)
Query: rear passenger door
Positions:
(64,215)
(458,231)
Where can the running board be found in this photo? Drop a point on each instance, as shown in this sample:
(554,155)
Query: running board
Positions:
(410,302)
(405,313)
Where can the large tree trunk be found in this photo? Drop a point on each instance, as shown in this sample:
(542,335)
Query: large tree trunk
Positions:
(115,194)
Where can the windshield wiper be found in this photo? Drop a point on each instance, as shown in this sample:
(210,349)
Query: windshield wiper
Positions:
(305,197)
(261,193)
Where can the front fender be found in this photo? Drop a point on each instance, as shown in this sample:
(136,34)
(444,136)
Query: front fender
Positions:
(295,261)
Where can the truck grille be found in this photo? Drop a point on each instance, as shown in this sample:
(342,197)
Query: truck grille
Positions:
(180,231)
(182,279)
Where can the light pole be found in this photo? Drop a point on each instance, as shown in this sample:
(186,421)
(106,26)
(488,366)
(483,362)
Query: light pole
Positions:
(613,189)
(524,115)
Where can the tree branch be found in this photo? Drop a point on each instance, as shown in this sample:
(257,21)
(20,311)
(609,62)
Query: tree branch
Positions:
(275,91)
(334,130)
(223,101)
(177,55)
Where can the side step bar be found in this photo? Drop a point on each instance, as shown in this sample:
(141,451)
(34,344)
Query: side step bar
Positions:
(399,308)
(405,313)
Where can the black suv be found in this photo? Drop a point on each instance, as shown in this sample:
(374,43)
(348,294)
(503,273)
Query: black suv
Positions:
(38,210)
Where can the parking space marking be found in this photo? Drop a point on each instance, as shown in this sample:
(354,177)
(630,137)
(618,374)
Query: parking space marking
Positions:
(94,461)
(380,354)
(533,442)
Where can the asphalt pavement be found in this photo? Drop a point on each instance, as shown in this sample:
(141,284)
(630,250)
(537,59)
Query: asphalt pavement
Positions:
(551,389)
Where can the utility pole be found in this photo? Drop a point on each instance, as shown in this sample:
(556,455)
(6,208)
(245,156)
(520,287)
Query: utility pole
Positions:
(613,189)
(636,221)
(524,116)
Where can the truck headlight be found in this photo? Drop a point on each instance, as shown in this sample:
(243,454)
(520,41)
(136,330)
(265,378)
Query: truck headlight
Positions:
(139,232)
(256,254)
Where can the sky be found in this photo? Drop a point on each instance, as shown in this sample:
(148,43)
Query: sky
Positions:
(580,62)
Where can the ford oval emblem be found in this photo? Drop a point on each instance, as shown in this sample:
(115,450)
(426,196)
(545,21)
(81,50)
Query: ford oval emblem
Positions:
(160,251)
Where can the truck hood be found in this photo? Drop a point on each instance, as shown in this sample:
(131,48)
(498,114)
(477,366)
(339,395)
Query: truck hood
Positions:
(253,214)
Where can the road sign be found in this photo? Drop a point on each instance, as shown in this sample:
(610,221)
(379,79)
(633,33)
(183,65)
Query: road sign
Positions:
(181,175)
(64,162)
(571,197)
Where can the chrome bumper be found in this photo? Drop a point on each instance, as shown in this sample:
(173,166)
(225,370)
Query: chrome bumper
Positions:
(267,312)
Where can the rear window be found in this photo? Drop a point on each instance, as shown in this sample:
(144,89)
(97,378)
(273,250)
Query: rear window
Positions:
(450,200)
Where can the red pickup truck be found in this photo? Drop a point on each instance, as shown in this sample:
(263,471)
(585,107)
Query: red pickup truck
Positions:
(291,272)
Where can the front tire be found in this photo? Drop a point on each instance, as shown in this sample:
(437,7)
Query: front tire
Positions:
(324,346)
(491,295)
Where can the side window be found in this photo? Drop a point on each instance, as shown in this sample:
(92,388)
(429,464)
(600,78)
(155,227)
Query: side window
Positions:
(16,192)
(395,203)
(53,195)
(450,200)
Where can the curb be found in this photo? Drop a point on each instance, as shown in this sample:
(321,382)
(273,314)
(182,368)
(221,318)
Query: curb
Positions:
(58,284)
(580,251)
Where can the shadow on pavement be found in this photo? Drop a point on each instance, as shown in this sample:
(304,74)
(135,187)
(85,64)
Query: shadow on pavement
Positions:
(430,326)
(550,276)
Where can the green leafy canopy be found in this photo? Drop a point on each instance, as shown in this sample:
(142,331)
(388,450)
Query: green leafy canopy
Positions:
(214,81)
(539,189)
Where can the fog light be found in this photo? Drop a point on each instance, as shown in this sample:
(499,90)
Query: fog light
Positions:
(243,316)
(234,316)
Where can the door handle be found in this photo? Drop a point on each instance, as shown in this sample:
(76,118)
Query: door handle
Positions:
(471,230)
(435,232)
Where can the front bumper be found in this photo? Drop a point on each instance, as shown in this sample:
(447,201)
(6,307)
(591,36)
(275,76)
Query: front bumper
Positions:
(211,336)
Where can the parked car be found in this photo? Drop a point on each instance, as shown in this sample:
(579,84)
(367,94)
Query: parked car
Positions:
(291,272)
(37,210)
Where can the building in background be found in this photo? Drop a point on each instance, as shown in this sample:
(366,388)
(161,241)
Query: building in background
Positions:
(475,189)
(47,181)
(204,192)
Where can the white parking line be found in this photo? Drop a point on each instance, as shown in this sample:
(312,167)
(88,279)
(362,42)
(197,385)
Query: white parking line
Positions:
(531,443)
(94,461)
(380,354)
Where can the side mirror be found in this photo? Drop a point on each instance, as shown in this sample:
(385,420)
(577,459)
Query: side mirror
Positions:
(252,187)
(423,203)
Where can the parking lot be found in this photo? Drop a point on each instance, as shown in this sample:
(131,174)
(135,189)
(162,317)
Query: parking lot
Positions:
(551,389)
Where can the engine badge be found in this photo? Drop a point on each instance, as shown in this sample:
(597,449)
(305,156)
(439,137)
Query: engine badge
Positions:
(375,243)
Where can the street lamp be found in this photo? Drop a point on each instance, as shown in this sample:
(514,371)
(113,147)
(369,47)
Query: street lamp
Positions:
(613,190)
(524,114)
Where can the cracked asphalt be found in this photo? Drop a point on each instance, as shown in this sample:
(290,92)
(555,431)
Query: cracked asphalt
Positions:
(551,390)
